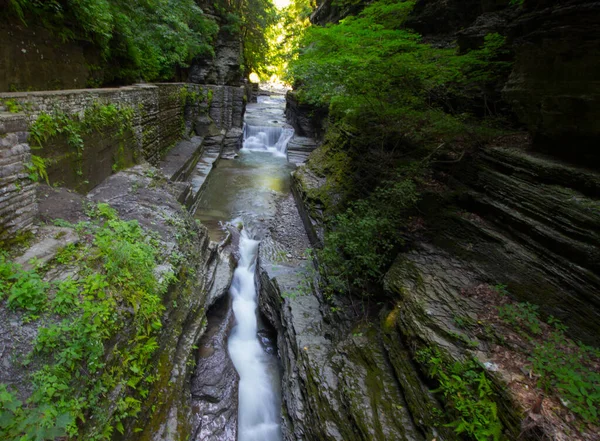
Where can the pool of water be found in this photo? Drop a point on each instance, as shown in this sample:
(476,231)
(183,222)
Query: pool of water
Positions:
(244,188)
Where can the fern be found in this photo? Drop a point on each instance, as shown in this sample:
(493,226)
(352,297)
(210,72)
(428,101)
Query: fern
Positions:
(38,169)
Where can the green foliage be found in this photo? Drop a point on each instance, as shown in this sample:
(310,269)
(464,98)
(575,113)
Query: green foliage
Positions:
(37,169)
(37,424)
(24,290)
(73,127)
(565,367)
(570,370)
(251,19)
(360,243)
(139,39)
(468,395)
(285,35)
(382,81)
(524,316)
(12,106)
(116,284)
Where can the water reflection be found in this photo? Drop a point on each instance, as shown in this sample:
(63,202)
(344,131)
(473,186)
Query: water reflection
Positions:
(245,187)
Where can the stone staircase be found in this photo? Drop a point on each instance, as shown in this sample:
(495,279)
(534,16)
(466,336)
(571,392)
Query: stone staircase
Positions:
(188,164)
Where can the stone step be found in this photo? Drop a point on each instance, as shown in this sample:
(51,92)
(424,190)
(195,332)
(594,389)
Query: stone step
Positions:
(181,159)
(199,175)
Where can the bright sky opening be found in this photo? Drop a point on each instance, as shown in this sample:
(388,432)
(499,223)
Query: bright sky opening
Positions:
(280,4)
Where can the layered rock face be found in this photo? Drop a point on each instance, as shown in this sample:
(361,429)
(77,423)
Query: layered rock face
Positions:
(305,119)
(337,384)
(225,67)
(533,225)
(18,205)
(554,86)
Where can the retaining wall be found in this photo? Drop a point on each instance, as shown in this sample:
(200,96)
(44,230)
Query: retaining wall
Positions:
(162,115)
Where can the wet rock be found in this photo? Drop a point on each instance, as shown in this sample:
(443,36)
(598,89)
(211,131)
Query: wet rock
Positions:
(332,388)
(310,208)
(205,126)
(232,143)
(299,148)
(215,381)
(305,119)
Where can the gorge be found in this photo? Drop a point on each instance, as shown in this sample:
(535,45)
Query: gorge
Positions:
(397,242)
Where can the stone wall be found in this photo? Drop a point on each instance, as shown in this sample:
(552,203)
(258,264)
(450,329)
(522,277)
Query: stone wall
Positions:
(18,205)
(163,114)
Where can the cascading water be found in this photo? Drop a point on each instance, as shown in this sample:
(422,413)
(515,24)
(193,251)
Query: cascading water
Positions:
(259,412)
(266,138)
(247,189)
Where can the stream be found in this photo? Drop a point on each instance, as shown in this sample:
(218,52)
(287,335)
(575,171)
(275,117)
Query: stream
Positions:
(245,191)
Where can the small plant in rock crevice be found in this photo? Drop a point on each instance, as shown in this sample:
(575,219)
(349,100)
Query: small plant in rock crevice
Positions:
(468,395)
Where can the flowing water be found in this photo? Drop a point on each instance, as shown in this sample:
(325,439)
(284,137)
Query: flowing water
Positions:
(259,405)
(246,190)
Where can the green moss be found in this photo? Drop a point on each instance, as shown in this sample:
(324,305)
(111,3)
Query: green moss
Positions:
(13,106)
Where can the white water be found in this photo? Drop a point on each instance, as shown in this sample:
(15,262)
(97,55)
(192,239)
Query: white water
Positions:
(259,413)
(271,139)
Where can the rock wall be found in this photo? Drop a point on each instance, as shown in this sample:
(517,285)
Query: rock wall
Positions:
(337,382)
(162,114)
(306,120)
(530,222)
(18,205)
(31,58)
(225,66)
(554,86)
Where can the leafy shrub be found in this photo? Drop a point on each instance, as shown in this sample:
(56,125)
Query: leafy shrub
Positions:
(139,39)
(468,395)
(523,315)
(569,369)
(565,367)
(24,290)
(380,79)
(359,245)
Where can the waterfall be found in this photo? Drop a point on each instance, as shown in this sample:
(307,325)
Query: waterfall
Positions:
(259,411)
(272,139)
